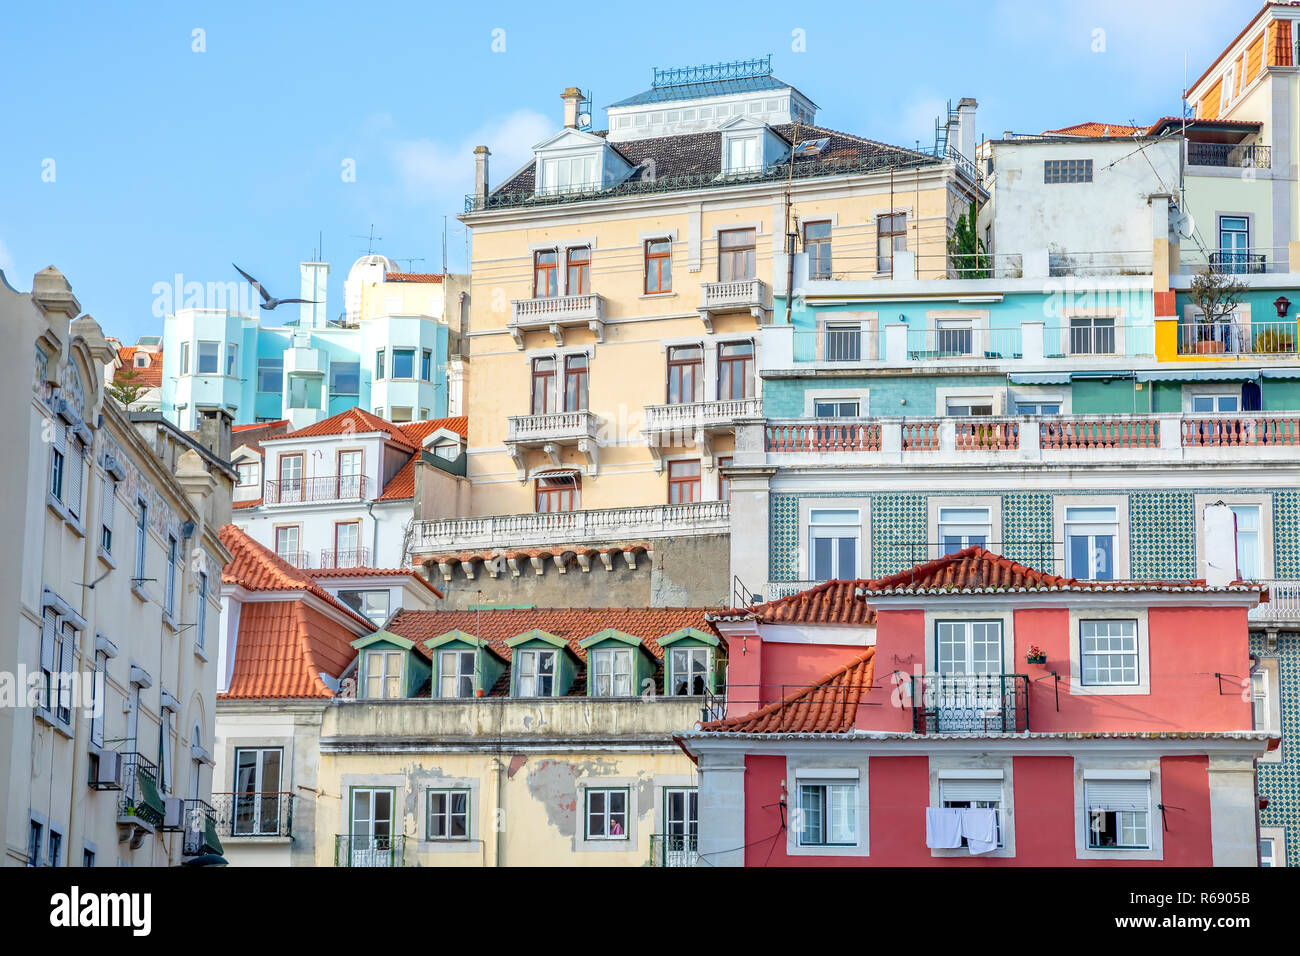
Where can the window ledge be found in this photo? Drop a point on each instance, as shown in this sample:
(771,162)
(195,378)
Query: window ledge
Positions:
(657,295)
(200,653)
(170,622)
(60,509)
(47,717)
(137,588)
(106,558)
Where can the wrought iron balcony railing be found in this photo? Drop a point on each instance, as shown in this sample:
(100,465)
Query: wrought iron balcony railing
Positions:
(667,849)
(306,490)
(1229,154)
(365,850)
(353,558)
(140,797)
(1239,263)
(1237,338)
(265,814)
(296,559)
(970,703)
(200,829)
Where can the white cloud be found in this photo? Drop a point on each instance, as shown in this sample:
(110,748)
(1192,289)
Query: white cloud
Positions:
(430,168)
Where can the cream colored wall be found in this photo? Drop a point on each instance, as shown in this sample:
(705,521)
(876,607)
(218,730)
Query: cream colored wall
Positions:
(401,298)
(1208,197)
(628,370)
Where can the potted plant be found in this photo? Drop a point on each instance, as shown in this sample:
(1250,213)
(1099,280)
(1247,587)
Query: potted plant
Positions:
(1036,655)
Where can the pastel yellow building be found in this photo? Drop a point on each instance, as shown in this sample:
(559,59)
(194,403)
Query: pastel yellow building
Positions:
(619,284)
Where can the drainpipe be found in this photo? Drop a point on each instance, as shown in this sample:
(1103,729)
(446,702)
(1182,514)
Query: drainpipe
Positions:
(374,533)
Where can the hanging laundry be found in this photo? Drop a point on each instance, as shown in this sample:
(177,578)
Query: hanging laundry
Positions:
(980,828)
(942,828)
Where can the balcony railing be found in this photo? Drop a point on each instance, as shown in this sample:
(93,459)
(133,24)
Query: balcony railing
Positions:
(354,558)
(963,342)
(295,559)
(365,850)
(1119,263)
(200,829)
(1253,156)
(687,417)
(680,849)
(572,527)
(140,797)
(268,814)
(304,490)
(556,308)
(1283,603)
(1237,338)
(738,295)
(552,426)
(970,703)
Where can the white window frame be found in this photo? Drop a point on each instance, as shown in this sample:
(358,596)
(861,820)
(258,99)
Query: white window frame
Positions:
(385,656)
(937,504)
(996,397)
(807,505)
(459,673)
(216,357)
(1124,613)
(860,395)
(534,655)
(1120,554)
(954,769)
(598,654)
(1093,531)
(1104,769)
(691,651)
(1277,835)
(821,771)
(1272,713)
(448,814)
(1264,501)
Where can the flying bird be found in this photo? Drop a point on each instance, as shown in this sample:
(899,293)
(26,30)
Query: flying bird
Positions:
(269,301)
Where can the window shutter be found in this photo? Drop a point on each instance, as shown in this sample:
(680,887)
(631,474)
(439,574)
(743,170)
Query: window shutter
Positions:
(75,465)
(66,650)
(970,790)
(1118,794)
(107,505)
(47,641)
(61,446)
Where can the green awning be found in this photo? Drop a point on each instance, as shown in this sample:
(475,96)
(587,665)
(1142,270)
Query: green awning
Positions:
(1281,373)
(211,843)
(149,802)
(1118,373)
(1040,378)
(1199,375)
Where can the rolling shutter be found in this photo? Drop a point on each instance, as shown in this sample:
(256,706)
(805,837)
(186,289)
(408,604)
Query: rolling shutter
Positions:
(75,464)
(106,510)
(1118,794)
(989,790)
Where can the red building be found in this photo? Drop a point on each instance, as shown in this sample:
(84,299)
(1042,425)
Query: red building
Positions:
(972,711)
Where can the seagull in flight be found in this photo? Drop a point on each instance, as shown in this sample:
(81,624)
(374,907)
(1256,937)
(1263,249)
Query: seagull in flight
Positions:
(269,302)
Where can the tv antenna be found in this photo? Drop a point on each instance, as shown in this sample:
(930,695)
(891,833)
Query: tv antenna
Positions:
(409,259)
(370,239)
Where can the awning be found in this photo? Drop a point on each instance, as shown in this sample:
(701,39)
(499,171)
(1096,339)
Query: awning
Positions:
(1040,378)
(1200,375)
(149,804)
(211,843)
(1281,373)
(1087,376)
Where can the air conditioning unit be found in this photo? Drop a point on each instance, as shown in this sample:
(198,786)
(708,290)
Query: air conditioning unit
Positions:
(108,771)
(173,813)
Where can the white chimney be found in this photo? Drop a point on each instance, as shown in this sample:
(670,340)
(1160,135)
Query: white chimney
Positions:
(1220,545)
(572,97)
(481,155)
(965,142)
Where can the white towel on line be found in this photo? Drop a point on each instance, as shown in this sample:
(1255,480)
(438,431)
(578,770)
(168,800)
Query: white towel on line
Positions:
(942,828)
(980,828)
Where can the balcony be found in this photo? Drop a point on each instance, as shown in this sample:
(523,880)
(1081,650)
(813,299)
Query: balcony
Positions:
(573,527)
(695,423)
(254,815)
(1283,605)
(1237,338)
(200,830)
(1230,155)
(740,295)
(364,850)
(674,849)
(970,704)
(295,559)
(555,314)
(140,806)
(552,432)
(355,558)
(296,491)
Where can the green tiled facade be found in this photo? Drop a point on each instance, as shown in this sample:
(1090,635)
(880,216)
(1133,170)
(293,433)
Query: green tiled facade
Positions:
(1280,782)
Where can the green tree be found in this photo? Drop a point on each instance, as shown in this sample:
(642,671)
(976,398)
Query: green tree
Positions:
(127,387)
(969,253)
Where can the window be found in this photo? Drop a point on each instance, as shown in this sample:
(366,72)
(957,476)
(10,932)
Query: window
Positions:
(165,752)
(966,407)
(536,673)
(1092,335)
(607,814)
(371,840)
(1067,171)
(209,358)
(742,155)
(58,461)
(1234,244)
(736,255)
(954,337)
(1090,535)
(372,605)
(1118,813)
(34,843)
(185,358)
(141,536)
(962,527)
(658,266)
(304,391)
(379,365)
(247,474)
(843,343)
(735,370)
(575,383)
(683,482)
(578,279)
(270,375)
(1259,705)
(1109,652)
(173,558)
(257,791)
(384,674)
(345,378)
(400,413)
(834,536)
(201,623)
(817,244)
(1038,408)
(966,794)
(558,493)
(286,544)
(612,667)
(571,174)
(685,374)
(403,363)
(57,644)
(543,386)
(87,857)
(1267,852)
(76,469)
(724,483)
(828,814)
(544,274)
(1228,402)
(969,647)
(681,824)
(426,365)
(107,509)
(290,477)
(891,237)
(456,674)
(689,671)
(350,479)
(54,848)
(232,359)
(827,408)
(448,815)
(1249,555)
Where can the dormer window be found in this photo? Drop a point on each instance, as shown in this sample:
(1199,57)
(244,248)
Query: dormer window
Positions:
(742,156)
(570,174)
(141,361)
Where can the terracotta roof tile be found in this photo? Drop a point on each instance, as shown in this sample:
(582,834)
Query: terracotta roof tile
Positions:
(826,707)
(830,603)
(1096,129)
(417,432)
(413,277)
(257,503)
(332,573)
(282,649)
(150,376)
(572,624)
(402,485)
(350,421)
(252,436)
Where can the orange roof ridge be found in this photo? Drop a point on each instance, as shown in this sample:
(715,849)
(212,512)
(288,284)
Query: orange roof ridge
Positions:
(827,706)
(357,419)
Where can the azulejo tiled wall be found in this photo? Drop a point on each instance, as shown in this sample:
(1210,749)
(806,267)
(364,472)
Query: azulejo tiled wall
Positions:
(1162,534)
(1286,534)
(1280,782)
(898,533)
(1027,529)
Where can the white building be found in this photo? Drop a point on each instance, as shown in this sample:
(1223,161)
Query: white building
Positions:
(111,577)
(342,493)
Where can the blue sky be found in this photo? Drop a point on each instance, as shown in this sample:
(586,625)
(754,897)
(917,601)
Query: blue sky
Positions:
(167,160)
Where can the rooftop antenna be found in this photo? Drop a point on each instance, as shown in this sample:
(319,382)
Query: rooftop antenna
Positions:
(370,239)
(444,245)
(410,259)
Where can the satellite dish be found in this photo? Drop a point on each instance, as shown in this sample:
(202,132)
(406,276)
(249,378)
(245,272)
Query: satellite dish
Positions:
(584,119)
(1185,225)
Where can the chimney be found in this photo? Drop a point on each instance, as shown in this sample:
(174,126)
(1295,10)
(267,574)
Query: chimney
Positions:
(1220,545)
(481,155)
(311,314)
(572,97)
(214,431)
(966,127)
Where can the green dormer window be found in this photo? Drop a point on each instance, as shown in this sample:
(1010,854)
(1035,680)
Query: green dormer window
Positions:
(536,673)
(456,674)
(383,674)
(688,671)
(612,670)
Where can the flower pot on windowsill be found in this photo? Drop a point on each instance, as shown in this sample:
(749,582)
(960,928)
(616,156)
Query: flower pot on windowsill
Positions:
(479,692)
(1036,659)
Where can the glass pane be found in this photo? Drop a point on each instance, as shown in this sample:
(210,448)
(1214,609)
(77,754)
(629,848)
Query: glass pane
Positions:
(1103,557)
(848,558)
(823,561)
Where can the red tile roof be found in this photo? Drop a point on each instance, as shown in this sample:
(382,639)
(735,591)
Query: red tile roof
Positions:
(572,624)
(419,431)
(256,568)
(150,376)
(402,485)
(252,436)
(830,603)
(282,648)
(328,574)
(351,421)
(826,707)
(1096,129)
(257,503)
(413,277)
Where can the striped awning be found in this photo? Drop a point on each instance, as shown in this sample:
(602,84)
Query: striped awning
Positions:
(1281,372)
(1040,378)
(1200,375)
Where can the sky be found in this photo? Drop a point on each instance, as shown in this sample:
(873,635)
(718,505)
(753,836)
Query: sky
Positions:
(146,141)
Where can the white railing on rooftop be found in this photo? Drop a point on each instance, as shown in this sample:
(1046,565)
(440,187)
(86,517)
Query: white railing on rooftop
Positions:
(1283,603)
